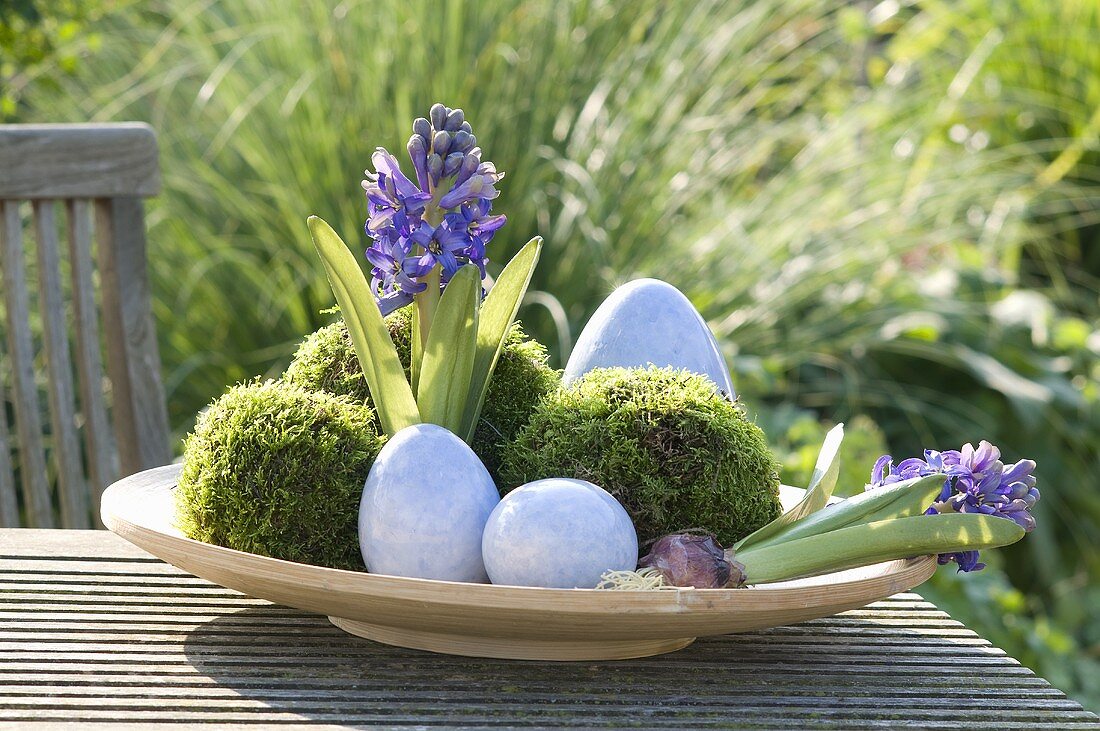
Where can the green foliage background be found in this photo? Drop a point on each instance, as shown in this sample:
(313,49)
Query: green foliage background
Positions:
(885,210)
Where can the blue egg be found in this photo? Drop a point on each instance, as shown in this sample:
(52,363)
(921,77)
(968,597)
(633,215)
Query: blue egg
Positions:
(645,322)
(424,507)
(558,533)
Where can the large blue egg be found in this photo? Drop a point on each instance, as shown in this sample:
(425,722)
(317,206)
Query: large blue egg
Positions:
(558,533)
(424,507)
(645,322)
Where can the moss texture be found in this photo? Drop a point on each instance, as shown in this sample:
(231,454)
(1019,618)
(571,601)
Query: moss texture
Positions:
(326,361)
(675,454)
(277,470)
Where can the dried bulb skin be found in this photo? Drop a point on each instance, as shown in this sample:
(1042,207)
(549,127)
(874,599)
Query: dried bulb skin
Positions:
(685,559)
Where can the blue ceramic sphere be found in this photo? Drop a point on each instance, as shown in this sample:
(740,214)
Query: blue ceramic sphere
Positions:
(645,322)
(424,507)
(558,533)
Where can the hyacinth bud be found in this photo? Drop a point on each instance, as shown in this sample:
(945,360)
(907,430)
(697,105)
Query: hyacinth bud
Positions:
(418,153)
(465,127)
(441,143)
(452,164)
(438,115)
(454,121)
(470,163)
(423,128)
(684,559)
(435,166)
(462,141)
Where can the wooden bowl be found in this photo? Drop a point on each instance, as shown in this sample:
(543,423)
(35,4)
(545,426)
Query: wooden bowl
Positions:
(484,620)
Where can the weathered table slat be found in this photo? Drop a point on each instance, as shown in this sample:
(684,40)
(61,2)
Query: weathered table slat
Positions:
(93,630)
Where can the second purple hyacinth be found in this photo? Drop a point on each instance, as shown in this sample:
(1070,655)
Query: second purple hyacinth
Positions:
(444,219)
(975,481)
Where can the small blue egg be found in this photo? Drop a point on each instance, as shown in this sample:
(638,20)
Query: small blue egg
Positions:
(424,507)
(648,321)
(558,533)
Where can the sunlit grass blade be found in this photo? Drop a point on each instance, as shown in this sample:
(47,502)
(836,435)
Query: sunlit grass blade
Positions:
(869,543)
(498,312)
(393,399)
(898,500)
(449,353)
(817,495)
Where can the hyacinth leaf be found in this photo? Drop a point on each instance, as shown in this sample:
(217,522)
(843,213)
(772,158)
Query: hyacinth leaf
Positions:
(912,500)
(820,489)
(416,355)
(870,543)
(449,353)
(393,399)
(498,312)
(898,500)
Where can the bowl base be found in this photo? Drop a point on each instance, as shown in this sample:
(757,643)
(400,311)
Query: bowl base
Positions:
(511,649)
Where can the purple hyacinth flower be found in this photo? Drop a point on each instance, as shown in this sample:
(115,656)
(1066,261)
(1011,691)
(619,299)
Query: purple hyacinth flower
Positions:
(418,153)
(967,560)
(406,247)
(394,269)
(975,481)
(474,222)
(477,186)
(392,302)
(389,191)
(413,198)
(441,246)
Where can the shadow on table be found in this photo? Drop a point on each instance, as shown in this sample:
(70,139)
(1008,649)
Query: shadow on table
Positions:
(282,661)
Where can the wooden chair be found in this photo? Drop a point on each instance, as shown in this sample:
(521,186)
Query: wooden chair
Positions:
(100,173)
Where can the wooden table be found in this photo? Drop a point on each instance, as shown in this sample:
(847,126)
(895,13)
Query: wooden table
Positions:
(94,630)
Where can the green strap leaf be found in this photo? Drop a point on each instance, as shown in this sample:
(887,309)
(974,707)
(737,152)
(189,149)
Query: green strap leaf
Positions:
(897,500)
(498,312)
(870,543)
(449,353)
(910,497)
(817,495)
(393,399)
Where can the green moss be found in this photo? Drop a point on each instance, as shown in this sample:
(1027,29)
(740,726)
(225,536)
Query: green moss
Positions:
(675,454)
(277,470)
(326,361)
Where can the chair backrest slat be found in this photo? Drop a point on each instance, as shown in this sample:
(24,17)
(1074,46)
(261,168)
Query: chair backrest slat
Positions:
(71,491)
(133,361)
(98,444)
(61,459)
(9,508)
(32,460)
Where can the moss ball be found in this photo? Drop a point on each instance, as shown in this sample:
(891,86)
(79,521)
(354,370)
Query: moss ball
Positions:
(675,453)
(326,361)
(277,470)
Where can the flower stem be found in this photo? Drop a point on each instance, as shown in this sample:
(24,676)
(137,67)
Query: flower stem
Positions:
(427,301)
